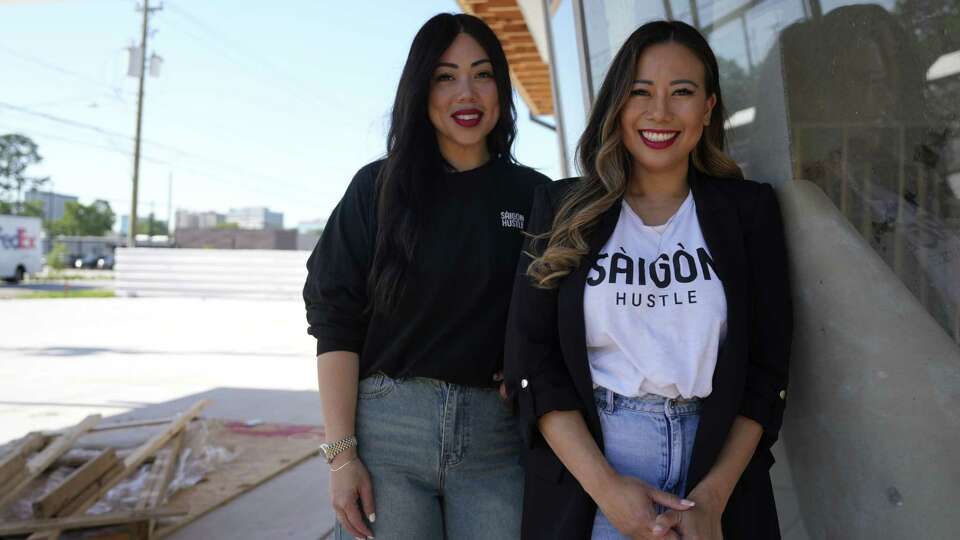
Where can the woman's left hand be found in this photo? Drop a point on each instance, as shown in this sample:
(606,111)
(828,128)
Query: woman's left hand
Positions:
(498,377)
(702,522)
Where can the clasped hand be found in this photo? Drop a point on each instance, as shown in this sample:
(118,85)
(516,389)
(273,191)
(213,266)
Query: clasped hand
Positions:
(629,505)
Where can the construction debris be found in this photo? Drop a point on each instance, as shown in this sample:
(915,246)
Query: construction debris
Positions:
(149,487)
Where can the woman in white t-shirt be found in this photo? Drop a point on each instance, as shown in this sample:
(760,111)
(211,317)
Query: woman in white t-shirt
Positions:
(649,332)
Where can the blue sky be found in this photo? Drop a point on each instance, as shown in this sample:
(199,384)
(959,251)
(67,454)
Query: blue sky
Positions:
(257,103)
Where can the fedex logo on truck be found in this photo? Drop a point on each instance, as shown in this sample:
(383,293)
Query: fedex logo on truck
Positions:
(20,240)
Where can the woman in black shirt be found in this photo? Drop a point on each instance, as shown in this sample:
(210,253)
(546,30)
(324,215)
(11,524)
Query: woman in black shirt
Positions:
(407,295)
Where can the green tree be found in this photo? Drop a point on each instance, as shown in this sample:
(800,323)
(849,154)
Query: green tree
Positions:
(56,259)
(29,208)
(151,226)
(95,219)
(17,153)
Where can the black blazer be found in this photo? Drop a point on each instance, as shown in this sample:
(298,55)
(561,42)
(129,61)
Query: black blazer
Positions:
(546,366)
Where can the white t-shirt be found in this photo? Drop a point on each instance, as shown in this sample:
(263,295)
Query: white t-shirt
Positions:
(654,308)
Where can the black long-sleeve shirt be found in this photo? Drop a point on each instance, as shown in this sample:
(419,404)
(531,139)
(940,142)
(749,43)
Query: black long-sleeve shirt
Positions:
(450,320)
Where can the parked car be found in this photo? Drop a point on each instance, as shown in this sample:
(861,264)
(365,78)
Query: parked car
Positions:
(86,261)
(20,250)
(95,261)
(105,262)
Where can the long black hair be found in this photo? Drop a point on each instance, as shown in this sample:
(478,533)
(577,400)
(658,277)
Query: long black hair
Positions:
(604,160)
(413,161)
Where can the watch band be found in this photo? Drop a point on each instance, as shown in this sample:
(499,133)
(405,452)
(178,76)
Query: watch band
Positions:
(332,450)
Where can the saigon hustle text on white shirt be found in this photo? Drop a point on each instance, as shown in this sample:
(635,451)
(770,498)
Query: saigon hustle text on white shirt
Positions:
(654,308)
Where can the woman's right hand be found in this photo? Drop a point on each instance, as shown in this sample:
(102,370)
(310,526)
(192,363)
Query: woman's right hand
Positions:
(347,486)
(627,503)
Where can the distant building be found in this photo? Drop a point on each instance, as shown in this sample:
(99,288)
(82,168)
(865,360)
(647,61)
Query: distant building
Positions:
(54,204)
(255,218)
(199,220)
(311,227)
(237,239)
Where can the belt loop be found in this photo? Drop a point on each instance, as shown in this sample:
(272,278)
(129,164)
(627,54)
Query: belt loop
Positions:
(610,398)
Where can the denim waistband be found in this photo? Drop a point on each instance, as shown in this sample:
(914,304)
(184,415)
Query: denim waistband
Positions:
(609,400)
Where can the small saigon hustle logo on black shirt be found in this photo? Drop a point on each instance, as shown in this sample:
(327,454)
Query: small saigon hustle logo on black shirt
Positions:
(512,220)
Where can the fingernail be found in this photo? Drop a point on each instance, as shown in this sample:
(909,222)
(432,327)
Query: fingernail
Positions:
(658,529)
(686,502)
(369,538)
(372,517)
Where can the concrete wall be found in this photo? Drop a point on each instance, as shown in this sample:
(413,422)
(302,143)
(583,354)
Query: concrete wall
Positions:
(872,424)
(236,239)
(237,273)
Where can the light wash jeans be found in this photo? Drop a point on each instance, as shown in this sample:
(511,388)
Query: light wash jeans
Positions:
(648,437)
(445,460)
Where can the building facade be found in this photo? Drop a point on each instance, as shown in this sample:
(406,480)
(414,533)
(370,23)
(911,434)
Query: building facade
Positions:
(313,226)
(851,110)
(255,218)
(237,239)
(54,204)
(186,219)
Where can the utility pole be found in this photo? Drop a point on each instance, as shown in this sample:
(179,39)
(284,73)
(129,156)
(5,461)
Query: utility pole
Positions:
(169,203)
(144,31)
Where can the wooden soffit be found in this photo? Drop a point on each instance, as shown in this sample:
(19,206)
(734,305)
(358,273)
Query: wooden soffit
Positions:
(530,74)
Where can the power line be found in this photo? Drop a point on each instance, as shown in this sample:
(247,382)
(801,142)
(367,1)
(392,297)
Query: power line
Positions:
(293,195)
(225,131)
(64,71)
(116,90)
(224,46)
(82,125)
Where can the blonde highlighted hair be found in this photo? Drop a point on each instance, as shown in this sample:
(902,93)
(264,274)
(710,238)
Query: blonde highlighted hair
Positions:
(604,161)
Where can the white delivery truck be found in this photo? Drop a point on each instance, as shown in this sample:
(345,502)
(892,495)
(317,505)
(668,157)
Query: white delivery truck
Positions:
(20,248)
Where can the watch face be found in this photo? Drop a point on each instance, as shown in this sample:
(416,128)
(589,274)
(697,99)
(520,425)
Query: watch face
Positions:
(325,448)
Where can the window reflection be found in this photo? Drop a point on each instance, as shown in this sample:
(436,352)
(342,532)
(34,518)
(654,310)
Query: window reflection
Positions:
(875,134)
(860,97)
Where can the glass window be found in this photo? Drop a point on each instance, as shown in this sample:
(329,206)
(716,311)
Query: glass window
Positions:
(861,98)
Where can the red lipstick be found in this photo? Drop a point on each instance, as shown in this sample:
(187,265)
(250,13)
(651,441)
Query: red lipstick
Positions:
(467,118)
(661,142)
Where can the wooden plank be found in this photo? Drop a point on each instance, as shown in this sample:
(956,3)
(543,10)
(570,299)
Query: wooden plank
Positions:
(38,463)
(72,460)
(161,473)
(12,467)
(74,485)
(90,494)
(61,444)
(118,425)
(16,459)
(157,441)
(86,522)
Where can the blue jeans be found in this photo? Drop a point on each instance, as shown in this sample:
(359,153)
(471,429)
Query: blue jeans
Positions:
(444,458)
(650,438)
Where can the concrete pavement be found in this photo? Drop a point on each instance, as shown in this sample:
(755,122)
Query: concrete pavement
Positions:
(61,360)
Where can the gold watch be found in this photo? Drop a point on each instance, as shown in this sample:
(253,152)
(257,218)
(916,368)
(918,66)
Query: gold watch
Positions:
(332,450)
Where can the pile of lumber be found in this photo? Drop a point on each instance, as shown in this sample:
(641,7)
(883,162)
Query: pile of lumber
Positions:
(65,506)
(143,455)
